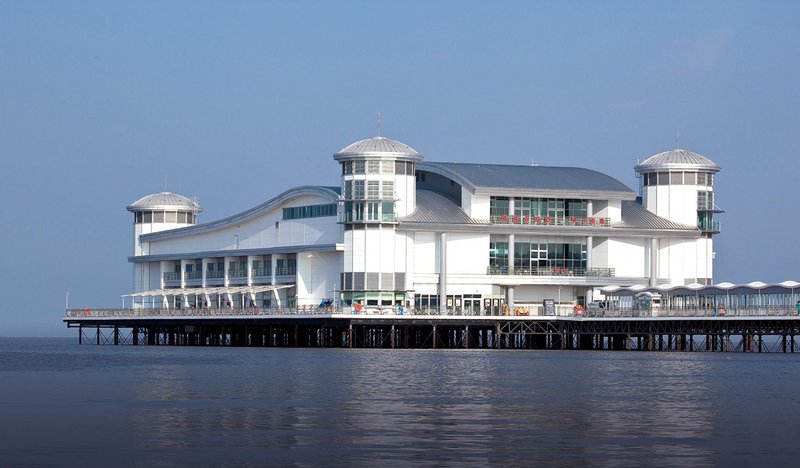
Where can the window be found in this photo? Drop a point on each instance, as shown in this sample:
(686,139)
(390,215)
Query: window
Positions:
(498,206)
(182,217)
(171,217)
(372,211)
(373,167)
(399,168)
(358,167)
(138,217)
(690,178)
(309,211)
(387,189)
(348,189)
(373,189)
(498,256)
(387,167)
(387,212)
(663,178)
(147,216)
(347,167)
(676,178)
(158,216)
(358,190)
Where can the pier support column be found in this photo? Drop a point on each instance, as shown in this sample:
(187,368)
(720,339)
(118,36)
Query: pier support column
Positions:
(433,337)
(116,335)
(350,335)
(466,337)
(392,337)
(97,336)
(497,336)
(80,334)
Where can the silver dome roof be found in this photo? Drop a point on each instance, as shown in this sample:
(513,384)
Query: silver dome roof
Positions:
(164,201)
(377,146)
(677,159)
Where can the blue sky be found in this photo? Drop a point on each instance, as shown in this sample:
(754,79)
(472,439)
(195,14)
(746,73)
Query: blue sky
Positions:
(238,101)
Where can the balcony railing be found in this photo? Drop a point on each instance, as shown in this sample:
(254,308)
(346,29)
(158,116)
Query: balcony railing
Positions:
(194,275)
(593,221)
(712,227)
(172,276)
(285,271)
(552,271)
(259,272)
(237,273)
(215,274)
(383,218)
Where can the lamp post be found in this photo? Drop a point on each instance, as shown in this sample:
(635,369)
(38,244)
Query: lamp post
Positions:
(66,302)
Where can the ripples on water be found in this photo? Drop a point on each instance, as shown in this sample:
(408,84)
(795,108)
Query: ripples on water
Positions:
(90,405)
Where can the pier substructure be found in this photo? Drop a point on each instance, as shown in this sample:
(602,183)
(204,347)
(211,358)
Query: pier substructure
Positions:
(727,334)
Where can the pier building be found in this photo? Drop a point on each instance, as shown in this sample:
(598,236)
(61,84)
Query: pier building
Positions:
(400,232)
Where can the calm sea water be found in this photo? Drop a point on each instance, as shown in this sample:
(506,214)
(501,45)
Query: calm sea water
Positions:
(69,405)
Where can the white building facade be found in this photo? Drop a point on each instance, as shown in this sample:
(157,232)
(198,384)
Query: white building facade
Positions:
(402,232)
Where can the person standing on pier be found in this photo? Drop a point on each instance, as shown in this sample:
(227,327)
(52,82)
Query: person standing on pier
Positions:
(797,306)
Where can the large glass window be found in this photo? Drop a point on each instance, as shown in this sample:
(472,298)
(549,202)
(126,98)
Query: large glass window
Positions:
(498,256)
(348,189)
(373,167)
(543,257)
(498,207)
(358,167)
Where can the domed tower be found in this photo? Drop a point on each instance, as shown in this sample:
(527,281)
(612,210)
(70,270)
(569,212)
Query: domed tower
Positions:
(679,185)
(159,212)
(378,187)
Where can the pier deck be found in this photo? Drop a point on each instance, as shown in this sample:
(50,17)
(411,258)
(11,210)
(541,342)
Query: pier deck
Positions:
(745,332)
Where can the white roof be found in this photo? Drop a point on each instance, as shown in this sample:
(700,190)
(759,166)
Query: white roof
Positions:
(164,201)
(378,145)
(677,159)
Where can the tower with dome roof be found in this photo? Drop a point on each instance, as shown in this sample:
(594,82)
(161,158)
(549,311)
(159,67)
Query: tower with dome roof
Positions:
(154,213)
(378,188)
(678,185)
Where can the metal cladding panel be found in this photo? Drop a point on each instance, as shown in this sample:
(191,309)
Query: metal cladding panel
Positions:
(635,216)
(377,144)
(499,176)
(677,159)
(435,208)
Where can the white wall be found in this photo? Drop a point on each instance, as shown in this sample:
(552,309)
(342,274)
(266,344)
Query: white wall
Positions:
(477,206)
(467,253)
(317,273)
(259,232)
(628,257)
(425,253)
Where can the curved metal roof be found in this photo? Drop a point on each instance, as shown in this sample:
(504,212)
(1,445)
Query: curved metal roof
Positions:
(547,178)
(331,193)
(677,159)
(164,201)
(436,208)
(378,146)
(636,216)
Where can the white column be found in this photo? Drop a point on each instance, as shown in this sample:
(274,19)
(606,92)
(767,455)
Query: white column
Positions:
(511,254)
(654,261)
(510,298)
(589,247)
(442,270)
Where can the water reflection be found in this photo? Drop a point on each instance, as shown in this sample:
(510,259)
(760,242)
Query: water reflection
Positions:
(466,407)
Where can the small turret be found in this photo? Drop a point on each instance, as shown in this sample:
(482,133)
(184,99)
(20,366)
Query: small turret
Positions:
(159,212)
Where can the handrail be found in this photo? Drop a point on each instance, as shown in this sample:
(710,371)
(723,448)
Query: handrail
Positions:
(562,310)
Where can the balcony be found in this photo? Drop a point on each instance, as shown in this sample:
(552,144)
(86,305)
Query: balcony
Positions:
(551,220)
(237,276)
(553,271)
(711,228)
(706,206)
(215,277)
(172,278)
